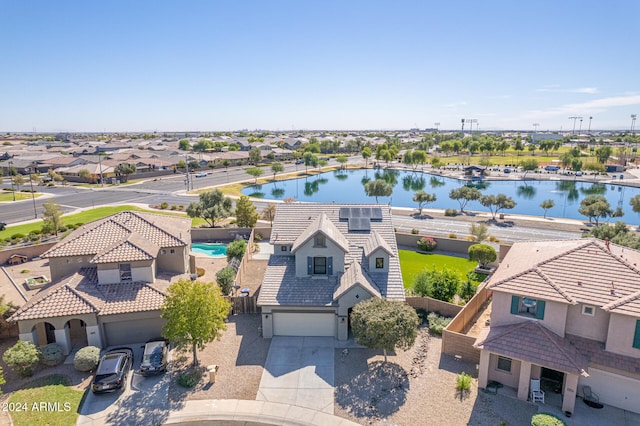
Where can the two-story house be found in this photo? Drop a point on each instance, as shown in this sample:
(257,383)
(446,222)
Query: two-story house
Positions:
(567,311)
(104,288)
(327,258)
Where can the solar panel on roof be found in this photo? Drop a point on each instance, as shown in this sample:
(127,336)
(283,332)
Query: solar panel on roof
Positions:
(345,213)
(359,224)
(376,213)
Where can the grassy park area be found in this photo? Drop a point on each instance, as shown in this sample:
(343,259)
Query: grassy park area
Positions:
(412,263)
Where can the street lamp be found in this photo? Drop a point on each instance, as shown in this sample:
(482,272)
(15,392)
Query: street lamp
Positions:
(13,191)
(33,196)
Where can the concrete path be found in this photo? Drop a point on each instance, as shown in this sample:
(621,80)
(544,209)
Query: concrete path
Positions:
(299,371)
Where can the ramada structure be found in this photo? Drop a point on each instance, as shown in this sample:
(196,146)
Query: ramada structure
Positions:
(569,312)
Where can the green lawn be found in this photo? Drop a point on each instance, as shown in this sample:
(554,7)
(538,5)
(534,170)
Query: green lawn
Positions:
(411,263)
(48,401)
(8,196)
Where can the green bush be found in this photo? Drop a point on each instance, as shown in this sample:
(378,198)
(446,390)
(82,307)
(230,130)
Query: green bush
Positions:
(258,237)
(17,236)
(52,354)
(25,271)
(225,278)
(453,236)
(164,205)
(189,378)
(87,358)
(467,290)
(415,231)
(546,419)
(437,323)
(451,212)
(427,244)
(174,207)
(441,285)
(22,357)
(236,249)
(483,254)
(463,382)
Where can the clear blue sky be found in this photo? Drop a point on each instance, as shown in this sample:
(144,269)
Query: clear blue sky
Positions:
(227,65)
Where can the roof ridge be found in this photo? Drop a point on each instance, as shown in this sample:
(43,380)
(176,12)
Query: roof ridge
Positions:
(621,301)
(564,253)
(512,329)
(552,337)
(84,299)
(142,216)
(510,277)
(556,287)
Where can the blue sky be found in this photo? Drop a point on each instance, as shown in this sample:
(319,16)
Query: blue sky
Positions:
(228,65)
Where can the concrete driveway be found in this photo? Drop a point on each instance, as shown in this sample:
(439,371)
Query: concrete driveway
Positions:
(144,401)
(299,371)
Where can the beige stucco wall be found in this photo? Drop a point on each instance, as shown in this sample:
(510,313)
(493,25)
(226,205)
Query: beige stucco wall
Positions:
(372,261)
(277,250)
(349,300)
(177,262)
(308,249)
(109,273)
(508,379)
(555,314)
(620,335)
(25,326)
(590,327)
(60,267)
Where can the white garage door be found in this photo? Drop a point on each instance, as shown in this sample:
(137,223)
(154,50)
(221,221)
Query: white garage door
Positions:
(124,332)
(304,324)
(613,389)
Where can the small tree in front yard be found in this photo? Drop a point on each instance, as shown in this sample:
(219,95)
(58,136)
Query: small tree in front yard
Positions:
(479,232)
(224,278)
(22,357)
(441,285)
(195,314)
(378,323)
(246,215)
(483,254)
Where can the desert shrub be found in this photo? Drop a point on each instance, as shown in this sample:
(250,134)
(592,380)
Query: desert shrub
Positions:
(450,212)
(546,419)
(224,278)
(87,358)
(427,244)
(437,323)
(62,229)
(467,290)
(494,239)
(52,354)
(79,224)
(258,237)
(174,207)
(463,382)
(22,357)
(164,205)
(453,236)
(236,249)
(36,231)
(200,271)
(422,314)
(189,378)
(17,236)
(25,271)
(415,231)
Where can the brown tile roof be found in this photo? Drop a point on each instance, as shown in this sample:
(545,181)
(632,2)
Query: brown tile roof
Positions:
(597,356)
(530,341)
(321,224)
(574,271)
(353,276)
(132,249)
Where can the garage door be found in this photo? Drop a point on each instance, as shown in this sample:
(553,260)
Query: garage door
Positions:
(304,324)
(613,389)
(125,332)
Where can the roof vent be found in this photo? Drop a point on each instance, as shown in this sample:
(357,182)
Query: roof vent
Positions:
(580,283)
(613,289)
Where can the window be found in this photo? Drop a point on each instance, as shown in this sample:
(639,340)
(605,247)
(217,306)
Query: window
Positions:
(589,310)
(172,251)
(504,364)
(125,271)
(163,251)
(636,336)
(319,265)
(319,241)
(283,248)
(527,307)
(379,262)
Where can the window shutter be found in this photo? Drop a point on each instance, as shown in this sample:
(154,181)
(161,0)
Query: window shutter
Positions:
(636,336)
(330,265)
(309,265)
(515,304)
(540,309)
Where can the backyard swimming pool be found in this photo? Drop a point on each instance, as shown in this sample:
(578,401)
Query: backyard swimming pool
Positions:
(208,249)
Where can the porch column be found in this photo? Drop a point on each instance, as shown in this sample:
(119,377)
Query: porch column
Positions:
(267,325)
(570,391)
(483,369)
(343,328)
(63,339)
(523,383)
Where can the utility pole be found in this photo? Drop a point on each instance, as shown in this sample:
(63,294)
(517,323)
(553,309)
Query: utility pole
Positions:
(100,163)
(33,196)
(580,130)
(186,167)
(633,122)
(471,121)
(462,127)
(573,132)
(589,131)
(535,130)
(11,175)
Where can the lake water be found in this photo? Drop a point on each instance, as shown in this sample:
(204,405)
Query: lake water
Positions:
(347,186)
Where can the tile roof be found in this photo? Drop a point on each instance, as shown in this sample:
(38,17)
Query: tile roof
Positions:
(532,342)
(376,242)
(324,225)
(354,275)
(597,356)
(131,249)
(574,271)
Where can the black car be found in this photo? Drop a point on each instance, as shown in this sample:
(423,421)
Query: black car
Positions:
(154,359)
(2,226)
(113,370)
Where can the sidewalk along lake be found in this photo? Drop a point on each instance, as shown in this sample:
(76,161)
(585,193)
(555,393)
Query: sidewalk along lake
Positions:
(347,186)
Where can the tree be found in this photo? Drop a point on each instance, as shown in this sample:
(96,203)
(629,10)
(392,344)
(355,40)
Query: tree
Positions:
(464,194)
(184,145)
(483,254)
(310,159)
(256,172)
(342,159)
(22,357)
(566,159)
(366,154)
(532,147)
(407,158)
(436,162)
(269,213)
(595,207)
(195,312)
(546,205)
(225,278)
(225,164)
(213,206)
(236,249)
(378,323)
(203,145)
(17,180)
(419,157)
(635,203)
(495,203)
(378,188)
(519,146)
(479,232)
(528,165)
(123,170)
(255,155)
(422,198)
(276,168)
(603,153)
(441,285)
(576,164)
(246,215)
(85,174)
(51,216)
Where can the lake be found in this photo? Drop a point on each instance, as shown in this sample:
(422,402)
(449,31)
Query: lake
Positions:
(347,186)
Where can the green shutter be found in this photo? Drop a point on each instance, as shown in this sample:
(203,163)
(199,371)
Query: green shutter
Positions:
(515,304)
(636,336)
(540,309)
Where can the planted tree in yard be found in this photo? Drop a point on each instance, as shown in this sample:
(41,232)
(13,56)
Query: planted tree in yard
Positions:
(378,323)
(464,194)
(213,206)
(184,145)
(495,203)
(441,285)
(546,205)
(51,216)
(236,249)
(595,207)
(255,155)
(528,166)
(22,357)
(123,170)
(225,278)
(422,198)
(479,232)
(483,254)
(17,180)
(195,314)
(269,213)
(256,172)
(246,215)
(85,174)
(277,168)
(603,153)
(225,164)
(378,188)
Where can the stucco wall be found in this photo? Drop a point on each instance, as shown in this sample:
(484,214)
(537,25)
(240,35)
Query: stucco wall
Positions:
(29,251)
(508,379)
(331,250)
(591,327)
(109,273)
(173,262)
(64,266)
(349,300)
(620,335)
(555,314)
(25,326)
(207,235)
(372,261)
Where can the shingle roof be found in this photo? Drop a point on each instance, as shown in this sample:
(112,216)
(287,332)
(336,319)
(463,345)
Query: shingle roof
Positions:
(321,224)
(574,271)
(354,275)
(532,342)
(375,242)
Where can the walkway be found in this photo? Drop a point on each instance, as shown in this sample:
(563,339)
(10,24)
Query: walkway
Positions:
(299,371)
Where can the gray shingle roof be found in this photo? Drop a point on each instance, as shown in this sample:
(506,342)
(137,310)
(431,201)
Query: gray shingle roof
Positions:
(323,225)
(353,276)
(375,242)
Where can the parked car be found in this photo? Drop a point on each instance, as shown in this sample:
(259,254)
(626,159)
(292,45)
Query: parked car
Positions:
(154,359)
(299,162)
(113,370)
(507,170)
(200,175)
(2,226)
(552,168)
(578,173)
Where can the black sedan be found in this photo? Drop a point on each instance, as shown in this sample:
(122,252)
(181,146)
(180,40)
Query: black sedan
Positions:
(154,359)
(113,370)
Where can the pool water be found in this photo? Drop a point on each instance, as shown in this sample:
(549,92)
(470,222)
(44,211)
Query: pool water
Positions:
(211,250)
